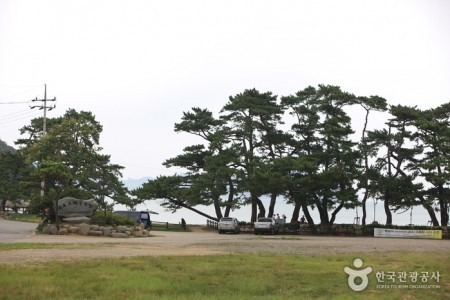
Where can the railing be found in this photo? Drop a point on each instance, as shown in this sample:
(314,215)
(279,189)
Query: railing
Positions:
(156,225)
(212,224)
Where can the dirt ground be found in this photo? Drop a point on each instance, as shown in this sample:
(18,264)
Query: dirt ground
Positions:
(200,242)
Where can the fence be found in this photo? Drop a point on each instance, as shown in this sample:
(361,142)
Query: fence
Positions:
(212,224)
(156,225)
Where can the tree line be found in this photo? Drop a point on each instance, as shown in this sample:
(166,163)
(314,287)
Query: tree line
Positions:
(298,148)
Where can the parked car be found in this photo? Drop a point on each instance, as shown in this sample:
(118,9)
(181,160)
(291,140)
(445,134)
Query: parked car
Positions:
(266,225)
(228,224)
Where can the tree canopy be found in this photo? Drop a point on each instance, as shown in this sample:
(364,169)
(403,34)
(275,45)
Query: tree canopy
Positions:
(302,149)
(68,161)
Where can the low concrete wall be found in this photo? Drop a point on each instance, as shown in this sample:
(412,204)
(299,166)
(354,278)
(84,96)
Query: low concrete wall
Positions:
(96,230)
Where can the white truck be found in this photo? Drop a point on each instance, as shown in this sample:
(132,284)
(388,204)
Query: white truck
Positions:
(228,224)
(266,225)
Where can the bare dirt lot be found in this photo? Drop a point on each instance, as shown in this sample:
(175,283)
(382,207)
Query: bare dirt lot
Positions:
(199,242)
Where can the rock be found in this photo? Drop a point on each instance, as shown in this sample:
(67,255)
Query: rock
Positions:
(73,229)
(145,232)
(119,235)
(127,232)
(84,229)
(72,207)
(96,233)
(137,233)
(107,231)
(95,227)
(52,229)
(121,229)
(45,230)
(76,220)
(62,231)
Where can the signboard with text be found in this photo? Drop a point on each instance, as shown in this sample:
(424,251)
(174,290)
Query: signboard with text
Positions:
(409,234)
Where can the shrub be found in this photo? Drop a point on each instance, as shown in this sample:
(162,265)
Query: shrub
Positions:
(110,218)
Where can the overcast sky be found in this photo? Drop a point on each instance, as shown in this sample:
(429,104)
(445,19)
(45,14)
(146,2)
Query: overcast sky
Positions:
(137,65)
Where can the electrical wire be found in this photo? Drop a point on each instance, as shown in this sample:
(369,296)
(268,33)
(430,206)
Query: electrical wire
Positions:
(7,99)
(21,102)
(27,116)
(11,115)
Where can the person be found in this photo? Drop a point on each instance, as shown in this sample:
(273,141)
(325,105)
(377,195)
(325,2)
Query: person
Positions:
(302,220)
(183,223)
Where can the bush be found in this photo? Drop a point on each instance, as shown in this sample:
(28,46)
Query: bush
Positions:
(111,219)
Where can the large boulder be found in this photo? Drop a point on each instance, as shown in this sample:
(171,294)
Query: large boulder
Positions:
(52,229)
(76,220)
(69,207)
(84,229)
(107,231)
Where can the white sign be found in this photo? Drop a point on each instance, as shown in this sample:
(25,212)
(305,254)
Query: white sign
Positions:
(409,234)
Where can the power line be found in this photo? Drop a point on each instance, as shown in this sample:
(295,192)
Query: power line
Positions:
(14,114)
(19,117)
(20,102)
(9,99)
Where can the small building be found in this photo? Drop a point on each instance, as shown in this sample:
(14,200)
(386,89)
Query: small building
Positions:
(17,206)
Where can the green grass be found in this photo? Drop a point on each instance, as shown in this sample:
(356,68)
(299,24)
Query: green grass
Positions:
(24,217)
(218,277)
(21,246)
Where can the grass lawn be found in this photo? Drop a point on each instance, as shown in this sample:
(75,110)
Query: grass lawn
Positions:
(238,276)
(24,218)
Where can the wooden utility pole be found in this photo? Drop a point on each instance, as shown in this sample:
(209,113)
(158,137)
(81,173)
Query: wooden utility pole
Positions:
(44,107)
(44,127)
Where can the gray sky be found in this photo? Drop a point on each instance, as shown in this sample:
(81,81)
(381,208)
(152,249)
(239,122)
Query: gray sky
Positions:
(137,65)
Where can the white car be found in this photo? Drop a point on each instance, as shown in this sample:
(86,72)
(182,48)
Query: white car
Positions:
(266,225)
(228,224)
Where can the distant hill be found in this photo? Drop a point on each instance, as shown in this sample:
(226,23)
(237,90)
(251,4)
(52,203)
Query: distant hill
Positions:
(5,148)
(132,183)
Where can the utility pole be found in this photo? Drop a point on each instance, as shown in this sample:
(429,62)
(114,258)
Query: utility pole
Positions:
(44,107)
(44,129)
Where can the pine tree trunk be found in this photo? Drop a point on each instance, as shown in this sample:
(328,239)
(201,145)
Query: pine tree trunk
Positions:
(273,200)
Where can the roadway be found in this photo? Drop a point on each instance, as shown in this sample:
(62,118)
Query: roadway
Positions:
(12,231)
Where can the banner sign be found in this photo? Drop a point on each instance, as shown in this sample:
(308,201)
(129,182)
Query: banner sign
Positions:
(408,234)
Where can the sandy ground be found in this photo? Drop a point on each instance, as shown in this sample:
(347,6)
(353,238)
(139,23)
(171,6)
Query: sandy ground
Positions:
(199,242)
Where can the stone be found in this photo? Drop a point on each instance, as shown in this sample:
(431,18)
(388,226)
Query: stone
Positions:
(95,227)
(76,220)
(107,231)
(145,232)
(84,229)
(128,232)
(52,229)
(119,235)
(45,230)
(62,231)
(96,233)
(137,233)
(73,207)
(121,229)
(73,229)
